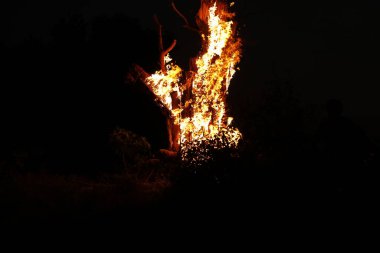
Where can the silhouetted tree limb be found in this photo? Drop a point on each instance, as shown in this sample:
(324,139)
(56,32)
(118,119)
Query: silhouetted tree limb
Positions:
(187,24)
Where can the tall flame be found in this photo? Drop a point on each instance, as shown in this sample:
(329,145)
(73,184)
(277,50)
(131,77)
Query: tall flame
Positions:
(216,67)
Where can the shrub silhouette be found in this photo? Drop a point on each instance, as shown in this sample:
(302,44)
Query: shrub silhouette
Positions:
(132,148)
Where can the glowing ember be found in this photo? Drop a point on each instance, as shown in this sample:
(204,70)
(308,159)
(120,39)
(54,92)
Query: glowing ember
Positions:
(201,117)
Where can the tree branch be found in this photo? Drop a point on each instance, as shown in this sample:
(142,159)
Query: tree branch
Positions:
(187,24)
(164,53)
(138,75)
(180,14)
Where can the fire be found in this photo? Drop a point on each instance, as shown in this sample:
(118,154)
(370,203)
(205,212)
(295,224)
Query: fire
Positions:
(203,117)
(164,84)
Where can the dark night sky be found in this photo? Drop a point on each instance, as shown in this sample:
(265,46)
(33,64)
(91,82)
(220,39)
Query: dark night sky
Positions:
(326,49)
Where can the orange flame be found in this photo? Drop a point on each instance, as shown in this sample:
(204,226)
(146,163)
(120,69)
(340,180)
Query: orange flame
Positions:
(216,67)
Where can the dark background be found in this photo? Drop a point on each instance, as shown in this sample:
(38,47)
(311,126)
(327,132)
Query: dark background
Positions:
(328,49)
(63,88)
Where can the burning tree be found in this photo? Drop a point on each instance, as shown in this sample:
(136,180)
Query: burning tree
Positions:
(194,101)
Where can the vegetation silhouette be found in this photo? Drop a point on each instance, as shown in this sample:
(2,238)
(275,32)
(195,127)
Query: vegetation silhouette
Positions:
(343,147)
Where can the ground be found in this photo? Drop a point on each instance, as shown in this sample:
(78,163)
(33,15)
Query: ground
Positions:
(240,192)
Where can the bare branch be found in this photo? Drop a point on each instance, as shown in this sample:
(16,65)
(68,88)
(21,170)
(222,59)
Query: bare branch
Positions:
(139,76)
(164,53)
(180,14)
(136,74)
(171,47)
(192,29)
(187,24)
